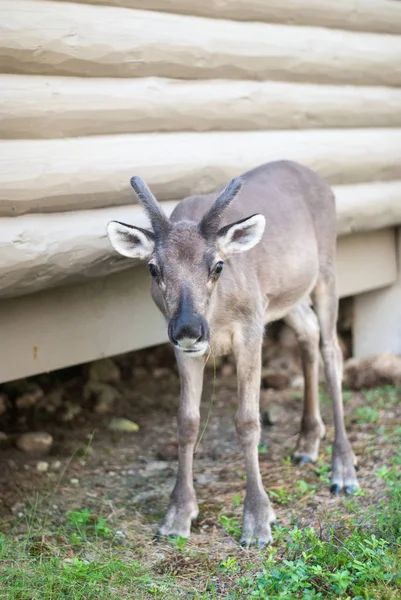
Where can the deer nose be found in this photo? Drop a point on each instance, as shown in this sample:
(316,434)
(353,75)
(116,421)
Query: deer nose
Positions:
(187,332)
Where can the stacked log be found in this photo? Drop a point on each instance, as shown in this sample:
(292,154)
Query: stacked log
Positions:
(186,95)
(38,106)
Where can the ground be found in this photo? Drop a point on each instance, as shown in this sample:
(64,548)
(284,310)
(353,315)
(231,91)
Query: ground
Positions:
(83,526)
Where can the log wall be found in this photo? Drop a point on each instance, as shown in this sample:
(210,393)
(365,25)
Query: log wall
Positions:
(358,15)
(185,94)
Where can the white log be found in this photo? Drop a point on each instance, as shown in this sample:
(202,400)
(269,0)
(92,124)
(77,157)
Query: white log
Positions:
(100,41)
(53,107)
(368,206)
(78,323)
(380,16)
(46,250)
(93,172)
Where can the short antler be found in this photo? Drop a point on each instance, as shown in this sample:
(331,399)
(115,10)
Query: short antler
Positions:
(210,223)
(158,218)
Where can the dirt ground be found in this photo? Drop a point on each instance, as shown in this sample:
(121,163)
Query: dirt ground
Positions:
(132,474)
(126,477)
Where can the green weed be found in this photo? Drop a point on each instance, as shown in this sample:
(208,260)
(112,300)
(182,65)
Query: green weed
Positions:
(231,525)
(366,415)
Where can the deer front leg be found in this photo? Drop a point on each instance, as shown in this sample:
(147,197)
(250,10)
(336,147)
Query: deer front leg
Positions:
(183,507)
(258,513)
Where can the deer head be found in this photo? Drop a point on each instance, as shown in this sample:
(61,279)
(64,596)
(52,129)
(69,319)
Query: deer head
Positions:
(185,259)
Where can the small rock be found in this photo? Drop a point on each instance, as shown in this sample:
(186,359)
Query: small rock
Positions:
(104,370)
(52,401)
(376,371)
(284,363)
(30,397)
(120,534)
(204,478)
(123,425)
(168,452)
(160,372)
(17,507)
(155,465)
(266,418)
(56,465)
(140,372)
(71,411)
(297,383)
(227,370)
(35,442)
(74,481)
(105,395)
(3,404)
(42,466)
(278,380)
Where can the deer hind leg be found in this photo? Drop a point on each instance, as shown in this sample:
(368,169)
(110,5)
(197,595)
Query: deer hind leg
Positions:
(303,321)
(258,513)
(325,302)
(183,507)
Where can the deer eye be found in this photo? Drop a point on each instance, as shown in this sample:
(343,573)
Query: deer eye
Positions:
(219,267)
(153,270)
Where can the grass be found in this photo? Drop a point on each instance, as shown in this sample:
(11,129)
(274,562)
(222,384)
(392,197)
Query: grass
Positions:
(88,558)
(351,551)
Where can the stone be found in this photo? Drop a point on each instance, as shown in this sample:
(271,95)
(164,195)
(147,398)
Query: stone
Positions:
(226,370)
(42,466)
(267,418)
(168,451)
(105,395)
(161,372)
(52,401)
(297,383)
(104,370)
(30,397)
(277,380)
(376,371)
(140,372)
(35,442)
(119,424)
(71,411)
(155,465)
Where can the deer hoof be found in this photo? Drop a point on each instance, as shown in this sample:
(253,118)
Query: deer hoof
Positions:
(260,541)
(335,488)
(351,489)
(177,522)
(301,459)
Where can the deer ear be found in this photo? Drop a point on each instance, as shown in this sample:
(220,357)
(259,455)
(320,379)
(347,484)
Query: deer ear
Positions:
(241,236)
(131,241)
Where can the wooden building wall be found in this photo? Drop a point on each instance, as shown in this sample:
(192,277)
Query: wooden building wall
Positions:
(186,94)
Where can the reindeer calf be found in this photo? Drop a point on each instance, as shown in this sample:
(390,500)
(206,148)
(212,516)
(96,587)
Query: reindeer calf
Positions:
(223,266)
